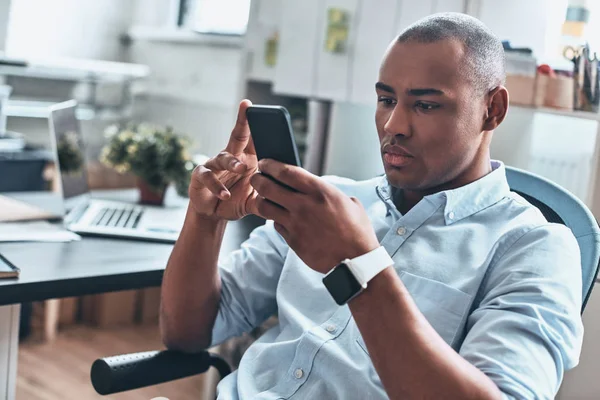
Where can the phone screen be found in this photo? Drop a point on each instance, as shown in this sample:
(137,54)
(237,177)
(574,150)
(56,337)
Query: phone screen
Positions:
(271,131)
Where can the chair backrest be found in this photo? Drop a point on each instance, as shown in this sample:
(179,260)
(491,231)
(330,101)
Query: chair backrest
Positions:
(560,206)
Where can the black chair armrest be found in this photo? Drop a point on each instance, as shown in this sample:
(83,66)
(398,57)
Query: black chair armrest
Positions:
(133,371)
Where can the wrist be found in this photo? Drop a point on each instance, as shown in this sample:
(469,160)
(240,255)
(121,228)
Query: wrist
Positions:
(196,221)
(377,288)
(360,250)
(350,252)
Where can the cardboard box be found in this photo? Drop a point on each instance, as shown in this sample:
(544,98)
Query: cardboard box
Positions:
(149,305)
(110,309)
(68,309)
(521,89)
(559,92)
(48,315)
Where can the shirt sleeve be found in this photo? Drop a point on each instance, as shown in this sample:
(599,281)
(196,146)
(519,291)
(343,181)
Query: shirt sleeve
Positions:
(249,278)
(527,329)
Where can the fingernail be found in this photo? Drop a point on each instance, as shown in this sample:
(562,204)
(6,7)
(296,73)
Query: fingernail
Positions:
(224,193)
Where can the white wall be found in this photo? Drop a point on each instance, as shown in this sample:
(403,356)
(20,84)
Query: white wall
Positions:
(532,23)
(68,28)
(352,148)
(40,29)
(195,87)
(151,12)
(4,13)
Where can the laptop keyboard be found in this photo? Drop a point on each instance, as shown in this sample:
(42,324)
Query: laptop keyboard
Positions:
(118,217)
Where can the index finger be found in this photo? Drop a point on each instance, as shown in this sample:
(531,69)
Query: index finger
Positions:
(240,135)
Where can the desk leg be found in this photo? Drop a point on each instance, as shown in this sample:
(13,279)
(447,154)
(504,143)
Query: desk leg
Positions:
(9,345)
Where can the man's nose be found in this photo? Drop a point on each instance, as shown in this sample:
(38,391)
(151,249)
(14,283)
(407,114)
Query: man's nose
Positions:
(398,122)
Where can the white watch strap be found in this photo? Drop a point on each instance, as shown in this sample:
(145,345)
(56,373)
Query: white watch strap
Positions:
(365,267)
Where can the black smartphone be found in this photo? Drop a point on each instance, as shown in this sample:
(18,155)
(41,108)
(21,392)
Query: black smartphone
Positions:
(272,134)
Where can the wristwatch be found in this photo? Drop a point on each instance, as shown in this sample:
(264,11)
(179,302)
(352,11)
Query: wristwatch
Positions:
(350,277)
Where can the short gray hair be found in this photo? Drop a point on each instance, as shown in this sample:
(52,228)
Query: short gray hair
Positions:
(485,53)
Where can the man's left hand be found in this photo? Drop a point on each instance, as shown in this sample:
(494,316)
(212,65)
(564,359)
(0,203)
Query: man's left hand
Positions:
(319,222)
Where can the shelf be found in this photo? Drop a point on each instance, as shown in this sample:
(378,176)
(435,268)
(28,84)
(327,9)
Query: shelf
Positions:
(564,113)
(168,35)
(77,70)
(41,109)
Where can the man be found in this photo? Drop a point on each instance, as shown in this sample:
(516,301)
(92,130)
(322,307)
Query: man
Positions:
(480,298)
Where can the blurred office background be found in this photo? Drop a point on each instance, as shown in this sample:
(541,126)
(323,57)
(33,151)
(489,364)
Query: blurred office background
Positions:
(188,63)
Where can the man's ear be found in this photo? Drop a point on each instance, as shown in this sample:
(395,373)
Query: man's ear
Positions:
(497,107)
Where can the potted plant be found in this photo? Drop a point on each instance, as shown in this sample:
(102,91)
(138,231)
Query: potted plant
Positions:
(157,156)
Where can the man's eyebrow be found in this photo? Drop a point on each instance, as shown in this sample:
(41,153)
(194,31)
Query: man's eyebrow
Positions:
(383,87)
(424,92)
(411,92)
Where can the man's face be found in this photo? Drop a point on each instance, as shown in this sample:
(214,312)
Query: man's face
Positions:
(429,116)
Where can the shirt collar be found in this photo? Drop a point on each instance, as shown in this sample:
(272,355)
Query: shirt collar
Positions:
(464,201)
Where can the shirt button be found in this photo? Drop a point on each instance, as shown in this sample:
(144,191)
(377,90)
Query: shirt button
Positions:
(401,231)
(451,215)
(330,328)
(299,373)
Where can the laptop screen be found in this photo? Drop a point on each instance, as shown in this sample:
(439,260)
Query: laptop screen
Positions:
(68,143)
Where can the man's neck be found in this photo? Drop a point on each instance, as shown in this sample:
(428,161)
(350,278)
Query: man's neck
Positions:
(405,200)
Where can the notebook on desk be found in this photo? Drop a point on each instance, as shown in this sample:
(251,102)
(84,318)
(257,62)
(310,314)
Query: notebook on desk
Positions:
(12,210)
(7,270)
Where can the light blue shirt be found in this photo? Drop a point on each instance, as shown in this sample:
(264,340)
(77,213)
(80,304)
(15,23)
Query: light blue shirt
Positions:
(499,284)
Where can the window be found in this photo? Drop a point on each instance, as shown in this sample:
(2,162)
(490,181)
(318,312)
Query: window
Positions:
(224,17)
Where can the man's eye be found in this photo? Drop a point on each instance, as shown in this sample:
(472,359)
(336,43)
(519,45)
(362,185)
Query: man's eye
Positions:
(426,106)
(388,101)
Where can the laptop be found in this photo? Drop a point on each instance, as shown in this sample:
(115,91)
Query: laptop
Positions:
(91,216)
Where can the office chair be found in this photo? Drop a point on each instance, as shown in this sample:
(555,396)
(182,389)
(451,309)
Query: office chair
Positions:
(132,371)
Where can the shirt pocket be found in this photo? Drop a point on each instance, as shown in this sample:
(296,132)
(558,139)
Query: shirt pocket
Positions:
(442,305)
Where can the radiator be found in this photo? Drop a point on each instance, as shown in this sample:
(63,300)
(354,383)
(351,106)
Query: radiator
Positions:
(571,173)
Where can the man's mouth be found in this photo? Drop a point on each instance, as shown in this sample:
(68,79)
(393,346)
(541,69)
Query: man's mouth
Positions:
(395,156)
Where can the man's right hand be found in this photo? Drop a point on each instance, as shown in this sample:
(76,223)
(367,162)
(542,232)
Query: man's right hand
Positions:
(220,189)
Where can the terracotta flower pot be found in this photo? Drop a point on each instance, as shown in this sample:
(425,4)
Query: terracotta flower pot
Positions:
(150,196)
